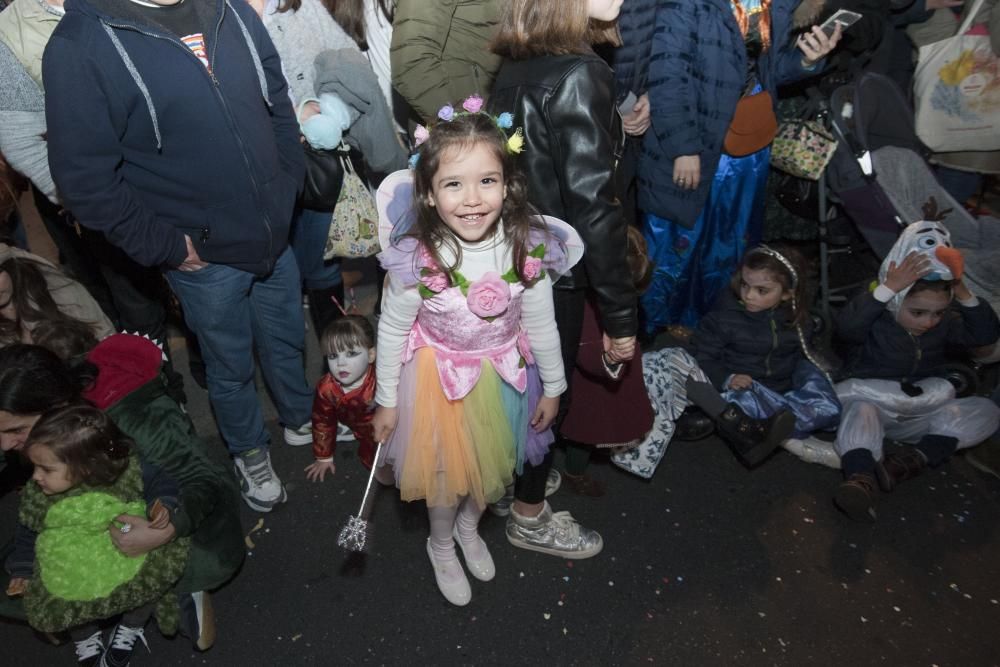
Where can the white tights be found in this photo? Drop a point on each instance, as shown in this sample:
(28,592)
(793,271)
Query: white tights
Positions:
(462,519)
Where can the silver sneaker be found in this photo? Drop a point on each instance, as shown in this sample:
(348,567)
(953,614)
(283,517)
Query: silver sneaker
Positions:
(259,485)
(553,533)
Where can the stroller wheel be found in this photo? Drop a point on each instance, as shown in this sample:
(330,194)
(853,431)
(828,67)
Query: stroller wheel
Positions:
(962,377)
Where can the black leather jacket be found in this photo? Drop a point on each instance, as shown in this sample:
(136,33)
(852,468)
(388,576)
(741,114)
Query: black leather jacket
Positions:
(573,139)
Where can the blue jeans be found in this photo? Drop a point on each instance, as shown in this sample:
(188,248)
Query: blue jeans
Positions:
(233,313)
(308,240)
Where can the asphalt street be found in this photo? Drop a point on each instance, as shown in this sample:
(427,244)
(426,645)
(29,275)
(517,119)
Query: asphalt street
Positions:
(708,563)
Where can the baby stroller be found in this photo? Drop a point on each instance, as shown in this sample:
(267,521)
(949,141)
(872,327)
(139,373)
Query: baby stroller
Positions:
(881,180)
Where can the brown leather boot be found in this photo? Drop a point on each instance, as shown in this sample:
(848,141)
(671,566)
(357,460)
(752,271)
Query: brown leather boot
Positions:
(856,496)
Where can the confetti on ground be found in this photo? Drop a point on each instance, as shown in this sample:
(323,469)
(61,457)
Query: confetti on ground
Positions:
(994,602)
(808,520)
(565,631)
(297,637)
(546,616)
(560,603)
(777,578)
(761,614)
(250,544)
(611,583)
(680,579)
(782,642)
(864,620)
(564,578)
(520,574)
(896,609)
(853,545)
(966,596)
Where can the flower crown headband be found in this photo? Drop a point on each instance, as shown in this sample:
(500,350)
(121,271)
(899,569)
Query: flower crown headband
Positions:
(471,105)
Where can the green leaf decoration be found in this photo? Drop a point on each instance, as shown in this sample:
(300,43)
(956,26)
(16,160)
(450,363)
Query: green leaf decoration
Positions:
(538,251)
(425,292)
(510,276)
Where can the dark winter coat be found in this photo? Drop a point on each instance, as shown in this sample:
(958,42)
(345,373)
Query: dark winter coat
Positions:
(884,349)
(697,74)
(213,154)
(630,61)
(130,389)
(573,137)
(730,340)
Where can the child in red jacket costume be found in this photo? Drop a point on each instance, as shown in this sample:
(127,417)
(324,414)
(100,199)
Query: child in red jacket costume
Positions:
(346,394)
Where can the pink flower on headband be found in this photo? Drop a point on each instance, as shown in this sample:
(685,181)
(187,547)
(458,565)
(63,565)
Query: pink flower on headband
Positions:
(420,135)
(473,104)
(446,113)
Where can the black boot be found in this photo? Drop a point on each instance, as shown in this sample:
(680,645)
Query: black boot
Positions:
(693,424)
(322,309)
(753,440)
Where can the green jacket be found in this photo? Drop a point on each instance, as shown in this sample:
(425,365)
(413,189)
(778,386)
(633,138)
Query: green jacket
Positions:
(440,52)
(209,499)
(131,389)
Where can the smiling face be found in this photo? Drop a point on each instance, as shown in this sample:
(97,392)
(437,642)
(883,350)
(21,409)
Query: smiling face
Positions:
(760,290)
(604,10)
(468,191)
(348,367)
(51,474)
(14,430)
(923,311)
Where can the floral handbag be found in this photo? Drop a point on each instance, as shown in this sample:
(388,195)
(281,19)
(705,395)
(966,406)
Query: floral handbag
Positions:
(354,225)
(802,148)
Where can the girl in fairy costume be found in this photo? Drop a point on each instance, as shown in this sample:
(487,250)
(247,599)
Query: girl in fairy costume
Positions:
(86,481)
(469,366)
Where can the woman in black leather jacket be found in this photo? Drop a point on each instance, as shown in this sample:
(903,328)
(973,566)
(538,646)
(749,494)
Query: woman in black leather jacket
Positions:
(562,95)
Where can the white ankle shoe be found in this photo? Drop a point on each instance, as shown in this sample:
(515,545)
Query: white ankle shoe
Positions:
(482,569)
(458,592)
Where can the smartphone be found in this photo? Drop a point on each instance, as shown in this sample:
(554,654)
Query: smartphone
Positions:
(625,108)
(844,17)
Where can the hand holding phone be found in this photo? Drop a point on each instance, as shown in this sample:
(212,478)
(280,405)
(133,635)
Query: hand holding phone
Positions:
(844,17)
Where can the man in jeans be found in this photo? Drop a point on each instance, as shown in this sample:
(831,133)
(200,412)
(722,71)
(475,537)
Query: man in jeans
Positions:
(171,131)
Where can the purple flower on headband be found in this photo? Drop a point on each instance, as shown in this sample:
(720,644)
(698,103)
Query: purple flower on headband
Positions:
(505,120)
(473,104)
(420,135)
(446,113)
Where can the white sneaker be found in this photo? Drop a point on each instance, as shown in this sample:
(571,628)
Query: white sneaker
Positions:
(552,482)
(303,435)
(344,433)
(813,450)
(259,485)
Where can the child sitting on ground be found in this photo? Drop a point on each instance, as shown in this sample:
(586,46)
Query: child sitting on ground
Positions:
(900,333)
(753,347)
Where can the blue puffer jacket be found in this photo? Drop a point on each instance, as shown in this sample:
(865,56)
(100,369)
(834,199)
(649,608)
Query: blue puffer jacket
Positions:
(630,61)
(697,73)
(147,145)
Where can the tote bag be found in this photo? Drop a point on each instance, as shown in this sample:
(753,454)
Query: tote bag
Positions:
(956,91)
(354,226)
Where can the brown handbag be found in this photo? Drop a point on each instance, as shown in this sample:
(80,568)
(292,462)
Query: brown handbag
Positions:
(753,127)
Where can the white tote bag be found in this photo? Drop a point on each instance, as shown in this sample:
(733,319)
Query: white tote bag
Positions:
(957,91)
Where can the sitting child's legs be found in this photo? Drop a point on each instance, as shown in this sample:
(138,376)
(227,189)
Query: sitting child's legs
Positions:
(859,444)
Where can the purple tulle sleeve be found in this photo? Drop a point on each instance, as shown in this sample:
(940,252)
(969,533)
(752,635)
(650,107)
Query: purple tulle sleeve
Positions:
(400,259)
